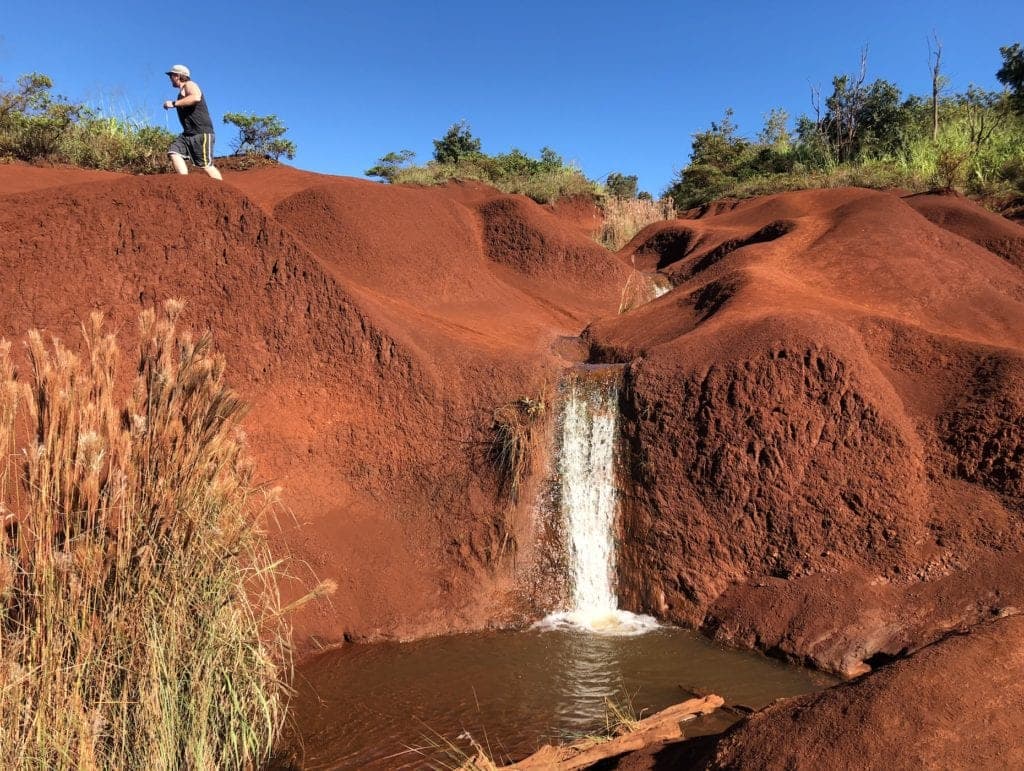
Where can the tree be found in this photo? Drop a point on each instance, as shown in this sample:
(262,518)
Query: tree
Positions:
(716,156)
(985,111)
(550,160)
(31,95)
(33,122)
(938,80)
(860,120)
(719,147)
(457,143)
(260,135)
(621,186)
(1011,74)
(388,166)
(775,134)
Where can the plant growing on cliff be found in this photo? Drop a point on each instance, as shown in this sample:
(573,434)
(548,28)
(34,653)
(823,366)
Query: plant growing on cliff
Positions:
(510,448)
(139,616)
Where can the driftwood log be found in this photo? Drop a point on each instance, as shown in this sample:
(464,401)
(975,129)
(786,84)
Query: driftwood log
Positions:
(660,727)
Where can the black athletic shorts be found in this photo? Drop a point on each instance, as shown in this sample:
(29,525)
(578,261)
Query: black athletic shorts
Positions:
(197,147)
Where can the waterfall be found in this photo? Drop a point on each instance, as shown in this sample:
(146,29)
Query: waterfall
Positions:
(589,503)
(589,492)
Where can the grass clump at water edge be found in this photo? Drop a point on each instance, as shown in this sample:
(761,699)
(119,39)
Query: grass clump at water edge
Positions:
(139,617)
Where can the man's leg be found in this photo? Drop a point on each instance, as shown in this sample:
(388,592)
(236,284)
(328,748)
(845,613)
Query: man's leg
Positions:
(179,163)
(206,154)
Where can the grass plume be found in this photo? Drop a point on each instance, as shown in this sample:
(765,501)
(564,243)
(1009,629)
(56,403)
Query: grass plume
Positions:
(139,615)
(625,217)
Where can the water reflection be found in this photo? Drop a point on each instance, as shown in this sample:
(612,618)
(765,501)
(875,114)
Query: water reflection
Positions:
(412,705)
(589,675)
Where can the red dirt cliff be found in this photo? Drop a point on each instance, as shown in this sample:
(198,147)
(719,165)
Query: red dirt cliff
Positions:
(823,451)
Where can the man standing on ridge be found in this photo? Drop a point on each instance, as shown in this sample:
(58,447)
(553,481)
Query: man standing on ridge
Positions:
(196,140)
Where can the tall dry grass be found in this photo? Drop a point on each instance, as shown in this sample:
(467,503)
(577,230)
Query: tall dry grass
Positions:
(139,617)
(625,217)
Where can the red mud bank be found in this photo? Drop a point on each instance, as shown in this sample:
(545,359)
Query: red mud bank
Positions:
(823,420)
(373,329)
(956,704)
(826,423)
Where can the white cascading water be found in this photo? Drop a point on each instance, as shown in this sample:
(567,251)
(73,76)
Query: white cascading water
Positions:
(589,497)
(589,494)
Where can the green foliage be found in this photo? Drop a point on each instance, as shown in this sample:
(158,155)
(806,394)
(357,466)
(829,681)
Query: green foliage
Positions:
(389,166)
(1011,74)
(862,120)
(261,135)
(32,120)
(456,144)
(458,156)
(868,135)
(36,125)
(775,133)
(621,186)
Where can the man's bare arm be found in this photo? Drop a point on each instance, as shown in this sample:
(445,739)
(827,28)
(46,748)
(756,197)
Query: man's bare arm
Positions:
(192,95)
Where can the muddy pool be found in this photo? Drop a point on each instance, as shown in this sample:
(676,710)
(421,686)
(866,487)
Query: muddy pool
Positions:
(423,704)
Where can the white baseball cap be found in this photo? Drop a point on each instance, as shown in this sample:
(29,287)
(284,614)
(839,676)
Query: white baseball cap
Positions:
(179,69)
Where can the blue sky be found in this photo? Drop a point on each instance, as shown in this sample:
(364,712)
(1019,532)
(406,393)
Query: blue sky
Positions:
(613,86)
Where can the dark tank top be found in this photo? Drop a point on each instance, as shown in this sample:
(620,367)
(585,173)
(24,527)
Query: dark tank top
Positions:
(195,118)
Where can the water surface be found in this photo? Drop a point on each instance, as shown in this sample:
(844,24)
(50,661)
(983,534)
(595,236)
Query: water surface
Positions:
(416,705)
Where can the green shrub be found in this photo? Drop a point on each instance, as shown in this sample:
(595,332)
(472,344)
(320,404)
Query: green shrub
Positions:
(457,143)
(37,126)
(621,186)
(542,183)
(261,135)
(389,166)
(867,138)
(458,156)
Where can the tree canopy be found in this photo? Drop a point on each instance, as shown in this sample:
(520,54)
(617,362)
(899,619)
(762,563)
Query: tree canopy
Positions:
(260,135)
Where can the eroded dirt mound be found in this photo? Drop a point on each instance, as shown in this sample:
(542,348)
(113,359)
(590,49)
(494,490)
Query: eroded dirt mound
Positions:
(374,335)
(822,418)
(960,216)
(957,704)
(828,405)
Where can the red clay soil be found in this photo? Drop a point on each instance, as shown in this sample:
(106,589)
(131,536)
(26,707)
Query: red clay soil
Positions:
(957,704)
(373,329)
(823,419)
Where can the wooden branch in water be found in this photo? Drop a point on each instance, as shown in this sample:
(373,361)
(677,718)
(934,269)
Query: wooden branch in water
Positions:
(662,726)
